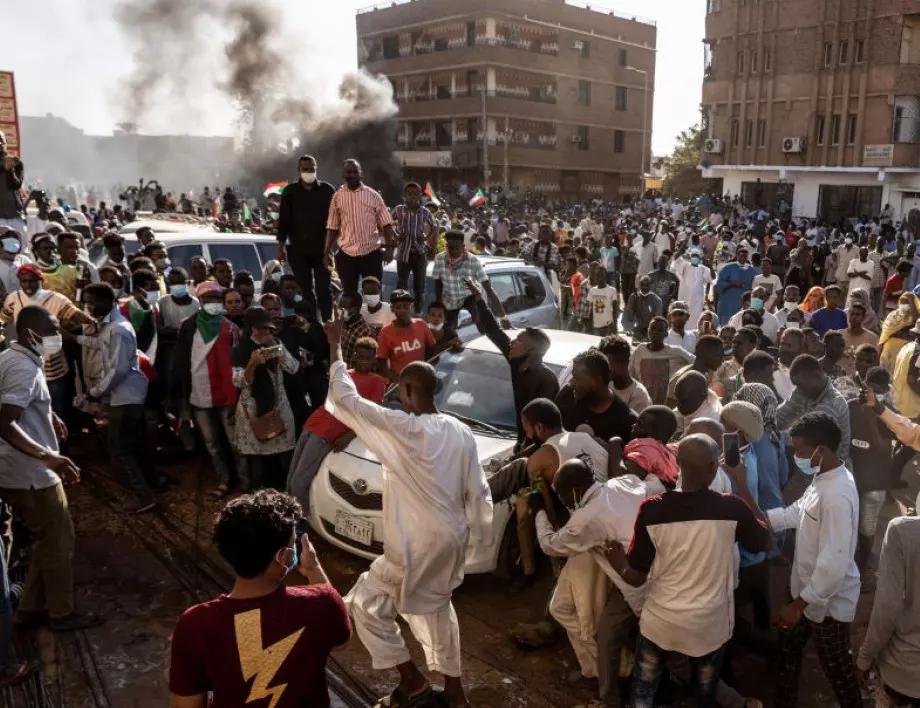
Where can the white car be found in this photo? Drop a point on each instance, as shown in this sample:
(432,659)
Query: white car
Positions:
(346,498)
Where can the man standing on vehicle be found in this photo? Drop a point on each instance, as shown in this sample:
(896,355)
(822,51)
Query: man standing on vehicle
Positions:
(452,269)
(302,226)
(357,216)
(12,211)
(416,232)
(434,489)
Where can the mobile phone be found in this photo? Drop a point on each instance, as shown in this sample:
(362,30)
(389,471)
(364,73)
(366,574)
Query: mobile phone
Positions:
(300,529)
(731,449)
(273,352)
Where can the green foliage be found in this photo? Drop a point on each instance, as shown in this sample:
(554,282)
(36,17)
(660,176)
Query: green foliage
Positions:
(684,178)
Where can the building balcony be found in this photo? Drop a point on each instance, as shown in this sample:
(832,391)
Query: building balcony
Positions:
(562,157)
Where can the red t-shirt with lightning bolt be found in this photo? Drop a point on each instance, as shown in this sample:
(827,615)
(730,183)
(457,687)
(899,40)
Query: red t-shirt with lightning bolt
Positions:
(264,652)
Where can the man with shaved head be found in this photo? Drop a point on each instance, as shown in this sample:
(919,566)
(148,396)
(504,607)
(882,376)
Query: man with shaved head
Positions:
(436,504)
(684,540)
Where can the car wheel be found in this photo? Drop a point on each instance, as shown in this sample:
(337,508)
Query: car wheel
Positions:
(508,565)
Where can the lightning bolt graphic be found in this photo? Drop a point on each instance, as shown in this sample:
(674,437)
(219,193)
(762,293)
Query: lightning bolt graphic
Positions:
(256,661)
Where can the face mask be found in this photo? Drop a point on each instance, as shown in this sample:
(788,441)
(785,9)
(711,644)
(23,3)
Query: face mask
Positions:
(793,325)
(756,303)
(273,215)
(178,290)
(884,398)
(436,327)
(298,298)
(48,264)
(213,308)
(372,300)
(161,263)
(152,296)
(39,294)
(694,260)
(805,465)
(904,307)
(51,344)
(790,306)
(287,311)
(744,266)
(308,177)
(729,351)
(277,276)
(11,245)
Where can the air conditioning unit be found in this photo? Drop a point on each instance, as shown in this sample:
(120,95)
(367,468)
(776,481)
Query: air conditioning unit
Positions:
(576,138)
(796,144)
(713,146)
(577,45)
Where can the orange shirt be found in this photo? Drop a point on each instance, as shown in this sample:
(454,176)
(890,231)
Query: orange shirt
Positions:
(403,345)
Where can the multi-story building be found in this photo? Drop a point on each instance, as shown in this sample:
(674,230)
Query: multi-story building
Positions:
(533,94)
(815,103)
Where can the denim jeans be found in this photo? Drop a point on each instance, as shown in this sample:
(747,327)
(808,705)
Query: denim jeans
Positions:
(416,267)
(127,428)
(6,610)
(650,662)
(216,431)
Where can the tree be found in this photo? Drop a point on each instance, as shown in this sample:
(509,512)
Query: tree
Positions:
(684,177)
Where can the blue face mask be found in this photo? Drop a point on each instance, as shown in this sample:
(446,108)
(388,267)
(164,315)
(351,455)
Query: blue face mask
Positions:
(694,260)
(804,464)
(277,276)
(298,298)
(287,311)
(178,290)
(756,303)
(729,351)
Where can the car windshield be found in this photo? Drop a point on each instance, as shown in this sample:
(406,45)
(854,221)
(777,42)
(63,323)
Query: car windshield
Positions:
(475,386)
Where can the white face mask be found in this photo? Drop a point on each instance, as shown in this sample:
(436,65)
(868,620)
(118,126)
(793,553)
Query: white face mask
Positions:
(273,215)
(51,344)
(904,307)
(152,296)
(308,177)
(11,245)
(790,306)
(213,308)
(435,327)
(372,300)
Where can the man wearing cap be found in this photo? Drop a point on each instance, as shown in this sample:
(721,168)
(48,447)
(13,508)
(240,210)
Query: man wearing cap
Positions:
(678,336)
(12,210)
(452,268)
(202,374)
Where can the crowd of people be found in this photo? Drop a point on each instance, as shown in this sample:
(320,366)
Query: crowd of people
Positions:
(655,472)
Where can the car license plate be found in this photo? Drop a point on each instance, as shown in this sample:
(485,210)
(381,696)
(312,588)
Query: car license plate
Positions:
(353,528)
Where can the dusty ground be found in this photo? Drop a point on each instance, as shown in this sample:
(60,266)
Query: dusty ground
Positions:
(141,573)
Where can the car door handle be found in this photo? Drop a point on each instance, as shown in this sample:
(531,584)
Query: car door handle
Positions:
(523,319)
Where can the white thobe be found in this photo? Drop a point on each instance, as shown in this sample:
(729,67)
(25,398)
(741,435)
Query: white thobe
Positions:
(436,502)
(692,288)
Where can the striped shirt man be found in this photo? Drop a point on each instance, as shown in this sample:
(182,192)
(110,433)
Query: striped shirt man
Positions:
(410,230)
(357,214)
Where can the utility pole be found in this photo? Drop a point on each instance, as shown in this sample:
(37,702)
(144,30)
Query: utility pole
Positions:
(485,143)
(508,134)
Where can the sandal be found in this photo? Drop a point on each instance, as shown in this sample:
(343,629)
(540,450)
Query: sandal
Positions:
(219,492)
(399,699)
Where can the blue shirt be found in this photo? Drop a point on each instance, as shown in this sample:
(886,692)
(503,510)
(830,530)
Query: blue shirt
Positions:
(823,320)
(123,383)
(609,255)
(752,473)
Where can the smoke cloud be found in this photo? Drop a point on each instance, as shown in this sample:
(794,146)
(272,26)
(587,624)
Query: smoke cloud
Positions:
(191,57)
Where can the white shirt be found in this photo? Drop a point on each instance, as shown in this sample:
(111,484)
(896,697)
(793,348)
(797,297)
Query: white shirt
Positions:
(380,319)
(711,408)
(858,281)
(772,284)
(687,340)
(782,382)
(769,326)
(603,303)
(608,514)
(635,395)
(826,518)
(436,499)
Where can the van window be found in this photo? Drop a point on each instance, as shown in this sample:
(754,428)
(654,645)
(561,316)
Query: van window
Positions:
(267,252)
(533,292)
(180,255)
(504,287)
(243,256)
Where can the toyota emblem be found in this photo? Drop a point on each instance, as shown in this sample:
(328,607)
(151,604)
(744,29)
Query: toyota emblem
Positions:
(360,486)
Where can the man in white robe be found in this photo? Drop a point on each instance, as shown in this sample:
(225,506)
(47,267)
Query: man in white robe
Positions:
(436,503)
(694,277)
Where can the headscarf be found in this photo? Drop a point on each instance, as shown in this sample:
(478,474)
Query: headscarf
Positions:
(814,300)
(263,387)
(897,321)
(746,417)
(763,397)
(861,296)
(7,232)
(269,268)
(653,457)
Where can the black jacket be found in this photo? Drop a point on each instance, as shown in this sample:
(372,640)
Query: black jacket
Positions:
(11,206)
(303,216)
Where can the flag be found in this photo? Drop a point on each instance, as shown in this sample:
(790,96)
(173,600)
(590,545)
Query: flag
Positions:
(247,215)
(218,209)
(431,194)
(273,188)
(478,199)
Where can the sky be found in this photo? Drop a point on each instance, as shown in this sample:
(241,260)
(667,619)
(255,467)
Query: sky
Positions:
(71,59)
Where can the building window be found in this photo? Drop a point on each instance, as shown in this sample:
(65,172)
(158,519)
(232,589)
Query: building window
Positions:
(828,53)
(740,62)
(819,130)
(842,53)
(391,46)
(618,141)
(734,132)
(851,130)
(585,49)
(762,132)
(906,126)
(767,60)
(755,61)
(620,98)
(584,93)
(835,130)
(581,138)
(624,58)
(748,133)
(860,53)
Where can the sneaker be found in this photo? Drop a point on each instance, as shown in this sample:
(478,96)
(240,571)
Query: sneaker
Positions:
(136,506)
(76,620)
